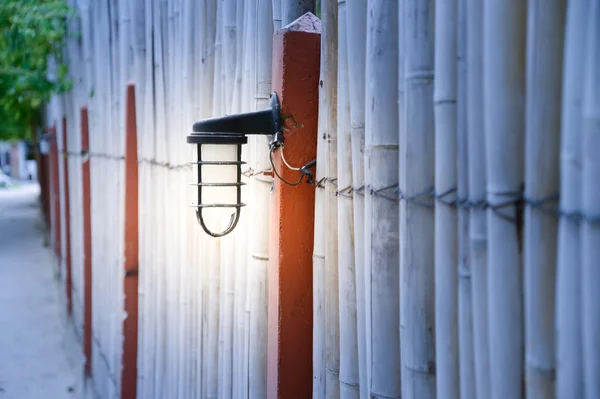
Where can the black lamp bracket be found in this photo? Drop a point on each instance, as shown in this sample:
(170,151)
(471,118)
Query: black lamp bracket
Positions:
(218,130)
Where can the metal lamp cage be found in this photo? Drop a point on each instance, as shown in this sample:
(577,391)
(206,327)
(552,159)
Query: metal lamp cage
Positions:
(216,139)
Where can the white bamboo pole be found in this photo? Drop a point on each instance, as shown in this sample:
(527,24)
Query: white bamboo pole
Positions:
(325,319)
(349,376)
(294,9)
(319,252)
(590,230)
(249,82)
(332,318)
(248,104)
(465,291)
(243,232)
(276,15)
(187,50)
(173,291)
(545,36)
(504,88)
(402,172)
(260,192)
(476,184)
(211,362)
(226,317)
(229,243)
(229,51)
(161,66)
(381,213)
(446,276)
(569,354)
(243,229)
(146,150)
(417,305)
(356,28)
(236,101)
(218,85)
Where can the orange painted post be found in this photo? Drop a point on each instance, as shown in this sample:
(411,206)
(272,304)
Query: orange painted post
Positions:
(130,324)
(87,244)
(296,55)
(55,183)
(69,282)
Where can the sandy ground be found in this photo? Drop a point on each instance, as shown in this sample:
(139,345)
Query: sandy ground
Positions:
(40,356)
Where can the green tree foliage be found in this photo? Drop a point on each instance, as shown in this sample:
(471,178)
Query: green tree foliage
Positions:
(32,32)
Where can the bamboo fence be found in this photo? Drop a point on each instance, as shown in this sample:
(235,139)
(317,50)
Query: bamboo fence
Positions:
(456,216)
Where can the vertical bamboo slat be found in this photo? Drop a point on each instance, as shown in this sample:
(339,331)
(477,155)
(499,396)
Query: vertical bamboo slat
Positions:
(356,28)
(446,228)
(465,288)
(477,179)
(504,93)
(545,37)
(349,375)
(590,229)
(323,341)
(381,213)
(569,347)
(417,265)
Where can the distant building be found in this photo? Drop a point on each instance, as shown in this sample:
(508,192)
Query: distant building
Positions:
(15,160)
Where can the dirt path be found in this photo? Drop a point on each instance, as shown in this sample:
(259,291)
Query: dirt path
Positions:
(39,354)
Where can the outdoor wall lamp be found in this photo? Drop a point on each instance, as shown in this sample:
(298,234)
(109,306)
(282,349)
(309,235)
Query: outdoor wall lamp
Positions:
(217,164)
(45,144)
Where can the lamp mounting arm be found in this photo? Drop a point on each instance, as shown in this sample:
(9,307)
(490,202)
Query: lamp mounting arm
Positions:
(266,122)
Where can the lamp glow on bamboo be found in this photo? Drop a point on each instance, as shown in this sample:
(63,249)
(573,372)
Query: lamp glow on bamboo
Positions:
(217,151)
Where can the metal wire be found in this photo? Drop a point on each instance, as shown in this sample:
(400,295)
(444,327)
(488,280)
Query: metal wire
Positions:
(284,161)
(277,174)
(547,205)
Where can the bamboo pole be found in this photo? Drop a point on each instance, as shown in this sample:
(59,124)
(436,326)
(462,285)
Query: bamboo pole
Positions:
(332,318)
(260,193)
(569,354)
(325,315)
(211,362)
(504,83)
(247,104)
(465,288)
(147,281)
(243,232)
(545,38)
(225,369)
(218,85)
(590,230)
(446,276)
(381,213)
(249,83)
(172,116)
(161,69)
(476,184)
(349,375)
(236,102)
(188,47)
(356,28)
(276,15)
(417,305)
(229,52)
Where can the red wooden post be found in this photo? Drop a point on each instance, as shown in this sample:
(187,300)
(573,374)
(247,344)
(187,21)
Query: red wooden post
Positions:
(296,55)
(87,244)
(130,324)
(69,282)
(55,183)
